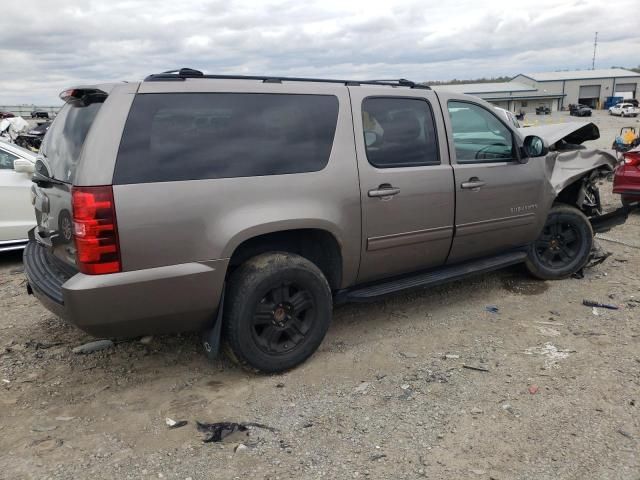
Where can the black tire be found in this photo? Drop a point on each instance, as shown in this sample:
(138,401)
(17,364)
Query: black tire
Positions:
(563,246)
(277,310)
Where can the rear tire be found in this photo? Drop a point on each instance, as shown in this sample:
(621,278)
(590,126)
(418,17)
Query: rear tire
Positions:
(278,308)
(563,246)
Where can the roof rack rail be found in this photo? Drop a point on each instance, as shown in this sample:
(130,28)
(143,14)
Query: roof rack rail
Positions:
(184,73)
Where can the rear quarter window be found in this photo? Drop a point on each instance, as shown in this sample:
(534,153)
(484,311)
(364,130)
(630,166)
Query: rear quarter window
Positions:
(191,136)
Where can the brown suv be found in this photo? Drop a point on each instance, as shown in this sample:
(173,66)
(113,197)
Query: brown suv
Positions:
(246,207)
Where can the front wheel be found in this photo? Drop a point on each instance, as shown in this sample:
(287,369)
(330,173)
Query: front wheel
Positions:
(564,245)
(278,308)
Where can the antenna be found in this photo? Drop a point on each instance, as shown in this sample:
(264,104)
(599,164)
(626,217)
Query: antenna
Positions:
(595,45)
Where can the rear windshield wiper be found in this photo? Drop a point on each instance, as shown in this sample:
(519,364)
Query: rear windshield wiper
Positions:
(44,181)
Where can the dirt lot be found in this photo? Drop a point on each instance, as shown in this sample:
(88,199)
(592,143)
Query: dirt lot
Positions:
(387,395)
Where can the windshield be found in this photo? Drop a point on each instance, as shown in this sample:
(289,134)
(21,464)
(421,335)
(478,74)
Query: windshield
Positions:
(63,142)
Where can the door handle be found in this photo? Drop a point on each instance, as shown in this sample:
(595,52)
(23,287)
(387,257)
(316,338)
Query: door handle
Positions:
(474,183)
(384,190)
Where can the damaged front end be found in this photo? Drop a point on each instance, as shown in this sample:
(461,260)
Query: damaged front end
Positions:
(574,171)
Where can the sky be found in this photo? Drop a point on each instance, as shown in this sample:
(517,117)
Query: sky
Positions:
(49,45)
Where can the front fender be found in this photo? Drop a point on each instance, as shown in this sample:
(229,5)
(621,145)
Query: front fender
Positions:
(564,168)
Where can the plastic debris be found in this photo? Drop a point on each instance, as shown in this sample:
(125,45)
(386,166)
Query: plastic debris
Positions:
(241,448)
(172,424)
(216,432)
(533,389)
(591,303)
(92,347)
(146,340)
(551,353)
(492,309)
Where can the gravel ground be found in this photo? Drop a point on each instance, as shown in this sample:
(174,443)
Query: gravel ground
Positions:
(388,395)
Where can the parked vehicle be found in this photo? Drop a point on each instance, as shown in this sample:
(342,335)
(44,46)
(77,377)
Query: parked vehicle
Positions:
(624,110)
(543,110)
(245,207)
(33,138)
(509,117)
(39,114)
(626,181)
(579,110)
(16,212)
(6,115)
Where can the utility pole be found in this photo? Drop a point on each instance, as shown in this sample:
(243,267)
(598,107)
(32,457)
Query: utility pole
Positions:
(595,45)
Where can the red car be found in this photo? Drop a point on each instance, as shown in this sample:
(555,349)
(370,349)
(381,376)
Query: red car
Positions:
(626,181)
(6,115)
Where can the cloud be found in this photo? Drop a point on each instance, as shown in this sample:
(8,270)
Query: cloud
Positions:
(48,45)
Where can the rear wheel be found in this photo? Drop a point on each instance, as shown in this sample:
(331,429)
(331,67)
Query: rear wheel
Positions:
(564,245)
(277,311)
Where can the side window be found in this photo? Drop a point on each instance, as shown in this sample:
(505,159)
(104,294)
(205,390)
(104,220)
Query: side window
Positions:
(6,160)
(192,136)
(479,137)
(399,132)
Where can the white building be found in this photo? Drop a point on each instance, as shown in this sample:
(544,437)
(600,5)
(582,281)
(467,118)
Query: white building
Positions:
(555,90)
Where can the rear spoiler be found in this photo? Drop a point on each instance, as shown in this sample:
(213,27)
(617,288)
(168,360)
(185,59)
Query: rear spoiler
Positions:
(83,97)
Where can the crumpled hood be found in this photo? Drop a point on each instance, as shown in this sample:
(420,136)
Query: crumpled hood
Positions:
(565,167)
(573,132)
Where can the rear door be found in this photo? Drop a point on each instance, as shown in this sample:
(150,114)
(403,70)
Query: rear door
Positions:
(406,181)
(500,201)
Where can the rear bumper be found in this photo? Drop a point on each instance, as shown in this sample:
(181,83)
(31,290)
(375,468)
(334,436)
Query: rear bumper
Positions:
(168,299)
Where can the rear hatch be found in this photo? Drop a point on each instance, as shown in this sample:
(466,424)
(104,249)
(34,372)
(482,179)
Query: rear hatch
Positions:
(56,167)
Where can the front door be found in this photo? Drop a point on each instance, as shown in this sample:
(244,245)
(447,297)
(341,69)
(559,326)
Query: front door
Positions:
(499,199)
(16,211)
(406,181)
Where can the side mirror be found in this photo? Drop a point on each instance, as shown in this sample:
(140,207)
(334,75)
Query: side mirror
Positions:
(23,166)
(534,146)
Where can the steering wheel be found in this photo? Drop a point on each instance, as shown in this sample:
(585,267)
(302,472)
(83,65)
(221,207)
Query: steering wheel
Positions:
(480,154)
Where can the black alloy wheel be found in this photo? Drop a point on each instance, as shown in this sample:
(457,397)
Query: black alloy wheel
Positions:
(277,310)
(283,318)
(559,244)
(564,245)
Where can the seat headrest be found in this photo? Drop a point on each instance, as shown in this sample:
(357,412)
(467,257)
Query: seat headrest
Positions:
(404,127)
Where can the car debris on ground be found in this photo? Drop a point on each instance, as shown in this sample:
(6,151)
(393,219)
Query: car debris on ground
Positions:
(216,432)
(173,424)
(92,347)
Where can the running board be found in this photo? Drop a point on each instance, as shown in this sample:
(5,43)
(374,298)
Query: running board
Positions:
(442,275)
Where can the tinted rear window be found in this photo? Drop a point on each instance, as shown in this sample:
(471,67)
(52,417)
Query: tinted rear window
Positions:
(190,136)
(63,143)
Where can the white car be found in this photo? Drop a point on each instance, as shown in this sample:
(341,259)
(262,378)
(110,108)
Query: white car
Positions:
(16,212)
(508,116)
(624,110)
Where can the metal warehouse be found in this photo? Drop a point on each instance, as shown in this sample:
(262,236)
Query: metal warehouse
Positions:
(556,90)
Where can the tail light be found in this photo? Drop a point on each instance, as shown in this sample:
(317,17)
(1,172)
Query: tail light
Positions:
(95,230)
(632,159)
